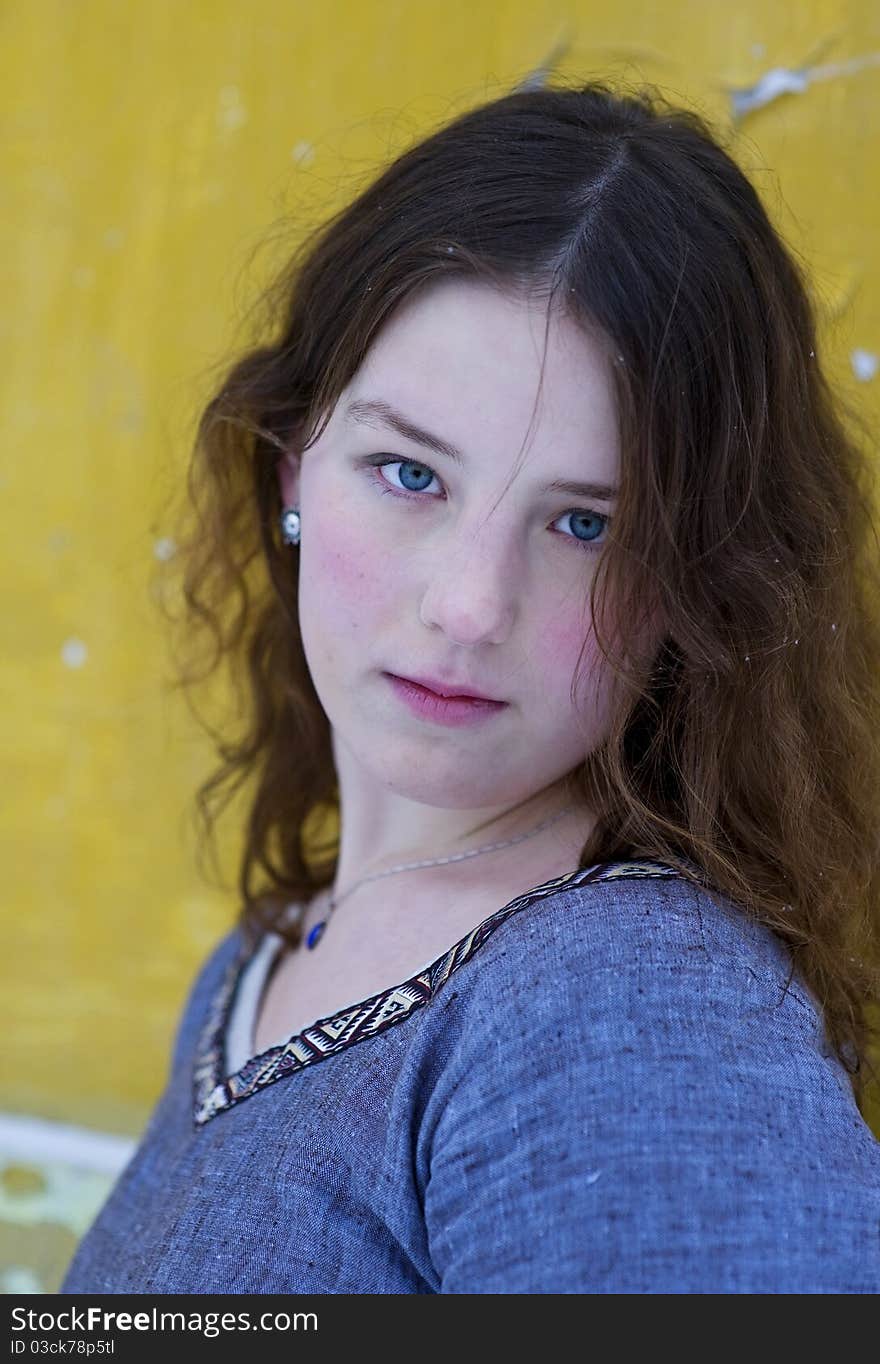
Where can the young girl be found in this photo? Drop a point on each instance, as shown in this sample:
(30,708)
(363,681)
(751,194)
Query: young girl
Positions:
(549,561)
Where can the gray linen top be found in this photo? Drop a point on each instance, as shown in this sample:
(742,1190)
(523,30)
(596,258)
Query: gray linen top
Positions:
(612,1085)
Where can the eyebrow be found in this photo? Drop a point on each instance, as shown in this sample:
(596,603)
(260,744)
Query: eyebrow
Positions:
(375,411)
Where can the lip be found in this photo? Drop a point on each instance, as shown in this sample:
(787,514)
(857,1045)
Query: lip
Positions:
(444,710)
(448,689)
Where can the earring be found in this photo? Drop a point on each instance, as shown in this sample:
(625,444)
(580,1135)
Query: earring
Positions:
(290,525)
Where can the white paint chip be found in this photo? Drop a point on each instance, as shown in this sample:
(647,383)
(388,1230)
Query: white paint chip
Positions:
(164,548)
(20,1279)
(74,653)
(865,364)
(231,114)
(783,80)
(231,119)
(302,153)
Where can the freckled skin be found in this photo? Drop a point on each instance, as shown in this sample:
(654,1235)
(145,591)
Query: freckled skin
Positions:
(458,579)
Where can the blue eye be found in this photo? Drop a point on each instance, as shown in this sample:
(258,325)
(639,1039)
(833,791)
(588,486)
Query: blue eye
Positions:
(581,516)
(412,472)
(421,476)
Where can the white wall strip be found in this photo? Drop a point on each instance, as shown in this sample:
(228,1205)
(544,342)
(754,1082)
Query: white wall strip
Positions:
(37,1140)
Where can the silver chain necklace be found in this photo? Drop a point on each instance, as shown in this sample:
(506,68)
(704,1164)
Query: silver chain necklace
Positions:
(316,932)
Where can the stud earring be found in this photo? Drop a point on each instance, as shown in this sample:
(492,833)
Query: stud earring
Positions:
(290,525)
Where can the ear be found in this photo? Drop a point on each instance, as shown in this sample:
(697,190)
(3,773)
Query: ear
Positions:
(288,479)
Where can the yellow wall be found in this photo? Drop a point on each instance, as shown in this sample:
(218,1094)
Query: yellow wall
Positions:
(148,149)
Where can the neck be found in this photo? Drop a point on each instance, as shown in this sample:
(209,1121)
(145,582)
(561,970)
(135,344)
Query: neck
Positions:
(451,833)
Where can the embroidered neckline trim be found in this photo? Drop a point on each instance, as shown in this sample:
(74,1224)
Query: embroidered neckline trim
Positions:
(213,1092)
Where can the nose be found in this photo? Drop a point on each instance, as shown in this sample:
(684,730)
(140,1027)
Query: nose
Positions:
(474,587)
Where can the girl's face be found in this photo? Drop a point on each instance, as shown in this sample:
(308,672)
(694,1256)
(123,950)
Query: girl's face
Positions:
(416,561)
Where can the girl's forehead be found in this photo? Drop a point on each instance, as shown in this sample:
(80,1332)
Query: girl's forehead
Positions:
(443,307)
(466,346)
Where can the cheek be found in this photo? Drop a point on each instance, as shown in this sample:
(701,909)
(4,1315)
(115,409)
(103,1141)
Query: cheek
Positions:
(342,573)
(566,630)
(559,647)
(562,650)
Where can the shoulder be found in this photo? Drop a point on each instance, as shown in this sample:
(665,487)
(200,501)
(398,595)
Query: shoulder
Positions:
(632,1073)
(637,937)
(655,1001)
(654,1007)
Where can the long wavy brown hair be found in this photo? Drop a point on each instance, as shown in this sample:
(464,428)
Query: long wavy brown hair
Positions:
(748,746)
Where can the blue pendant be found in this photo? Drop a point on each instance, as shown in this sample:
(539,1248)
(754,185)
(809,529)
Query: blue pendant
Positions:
(315,934)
